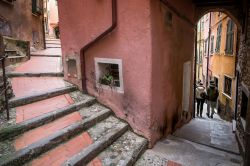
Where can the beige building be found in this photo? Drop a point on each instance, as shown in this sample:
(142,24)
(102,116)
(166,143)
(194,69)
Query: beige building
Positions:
(50,17)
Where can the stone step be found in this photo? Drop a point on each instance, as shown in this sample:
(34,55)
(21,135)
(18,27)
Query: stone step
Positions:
(124,151)
(109,131)
(45,55)
(26,74)
(53,46)
(19,128)
(53,42)
(111,127)
(19,101)
(31,144)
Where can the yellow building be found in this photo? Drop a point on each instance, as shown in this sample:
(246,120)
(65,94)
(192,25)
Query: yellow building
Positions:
(222,61)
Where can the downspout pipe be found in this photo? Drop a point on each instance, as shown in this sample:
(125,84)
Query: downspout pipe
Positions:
(208,54)
(91,43)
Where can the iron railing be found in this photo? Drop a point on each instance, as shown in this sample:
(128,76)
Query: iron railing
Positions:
(3,91)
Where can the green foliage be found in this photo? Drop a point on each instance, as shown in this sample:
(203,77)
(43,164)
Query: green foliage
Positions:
(22,44)
(107,79)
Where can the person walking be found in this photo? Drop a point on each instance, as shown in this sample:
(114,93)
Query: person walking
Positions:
(199,93)
(212,96)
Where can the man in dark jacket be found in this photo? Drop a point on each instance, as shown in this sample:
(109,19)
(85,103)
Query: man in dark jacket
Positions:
(212,96)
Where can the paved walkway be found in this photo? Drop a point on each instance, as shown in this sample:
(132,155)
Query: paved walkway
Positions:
(186,153)
(201,142)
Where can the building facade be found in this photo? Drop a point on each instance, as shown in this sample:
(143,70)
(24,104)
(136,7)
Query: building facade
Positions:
(218,58)
(23,20)
(50,17)
(223,62)
(200,51)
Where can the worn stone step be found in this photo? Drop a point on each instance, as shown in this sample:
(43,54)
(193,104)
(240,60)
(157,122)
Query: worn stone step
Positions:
(19,101)
(82,141)
(53,42)
(110,131)
(125,151)
(19,156)
(53,45)
(16,129)
(28,74)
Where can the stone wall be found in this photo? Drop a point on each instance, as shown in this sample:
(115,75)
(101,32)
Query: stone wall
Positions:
(244,85)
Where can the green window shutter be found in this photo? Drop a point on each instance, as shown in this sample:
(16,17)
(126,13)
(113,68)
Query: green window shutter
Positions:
(218,40)
(212,44)
(33,6)
(230,37)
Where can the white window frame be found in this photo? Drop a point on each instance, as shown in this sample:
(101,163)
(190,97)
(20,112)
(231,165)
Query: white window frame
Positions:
(223,90)
(218,78)
(98,73)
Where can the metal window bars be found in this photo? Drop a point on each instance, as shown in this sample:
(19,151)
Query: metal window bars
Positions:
(3,90)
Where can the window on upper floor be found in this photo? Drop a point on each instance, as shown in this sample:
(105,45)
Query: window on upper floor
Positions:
(36,7)
(230,37)
(216,81)
(212,44)
(202,25)
(228,86)
(205,49)
(11,2)
(218,39)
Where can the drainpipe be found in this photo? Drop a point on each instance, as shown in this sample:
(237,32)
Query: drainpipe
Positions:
(91,43)
(199,53)
(195,67)
(43,28)
(208,52)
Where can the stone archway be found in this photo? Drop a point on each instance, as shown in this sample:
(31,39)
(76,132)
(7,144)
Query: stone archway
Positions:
(239,11)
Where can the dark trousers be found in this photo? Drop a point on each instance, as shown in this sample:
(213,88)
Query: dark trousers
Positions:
(200,103)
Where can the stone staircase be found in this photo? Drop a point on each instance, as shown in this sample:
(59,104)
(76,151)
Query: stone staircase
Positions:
(96,137)
(43,130)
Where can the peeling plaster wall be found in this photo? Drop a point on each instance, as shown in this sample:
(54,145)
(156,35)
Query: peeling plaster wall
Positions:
(130,42)
(23,22)
(172,46)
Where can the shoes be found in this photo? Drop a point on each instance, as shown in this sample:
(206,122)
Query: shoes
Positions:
(201,116)
(207,115)
(212,116)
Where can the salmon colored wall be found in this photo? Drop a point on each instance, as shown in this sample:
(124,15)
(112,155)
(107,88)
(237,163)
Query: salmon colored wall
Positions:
(130,41)
(172,46)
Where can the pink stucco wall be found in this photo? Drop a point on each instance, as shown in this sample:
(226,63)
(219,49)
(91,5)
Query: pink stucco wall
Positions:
(152,58)
(130,42)
(172,46)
